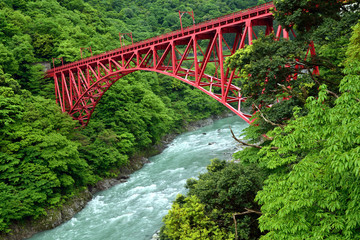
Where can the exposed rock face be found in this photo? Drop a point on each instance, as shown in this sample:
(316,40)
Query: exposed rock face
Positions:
(46,65)
(156,236)
(107,183)
(55,217)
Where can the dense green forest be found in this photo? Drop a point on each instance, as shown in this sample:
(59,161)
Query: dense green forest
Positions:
(43,160)
(298,177)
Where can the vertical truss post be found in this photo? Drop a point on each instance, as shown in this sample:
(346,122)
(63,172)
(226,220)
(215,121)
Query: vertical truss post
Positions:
(66,94)
(196,65)
(278,32)
(173,56)
(122,35)
(87,75)
(206,58)
(221,63)
(180,16)
(85,48)
(71,87)
(137,58)
(250,31)
(58,94)
(284,33)
(63,91)
(79,79)
(154,56)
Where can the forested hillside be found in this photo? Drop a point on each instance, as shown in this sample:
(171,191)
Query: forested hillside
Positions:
(298,177)
(43,160)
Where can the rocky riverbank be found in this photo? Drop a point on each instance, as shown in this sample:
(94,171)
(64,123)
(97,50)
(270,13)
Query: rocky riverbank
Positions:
(55,217)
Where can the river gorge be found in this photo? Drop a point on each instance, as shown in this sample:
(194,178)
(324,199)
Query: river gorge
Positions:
(133,210)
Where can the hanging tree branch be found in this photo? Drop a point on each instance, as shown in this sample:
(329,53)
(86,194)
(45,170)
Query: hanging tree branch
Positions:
(267,120)
(243,213)
(247,212)
(248,144)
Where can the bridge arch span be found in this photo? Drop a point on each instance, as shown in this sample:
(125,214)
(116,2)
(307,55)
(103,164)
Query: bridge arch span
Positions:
(85,104)
(194,55)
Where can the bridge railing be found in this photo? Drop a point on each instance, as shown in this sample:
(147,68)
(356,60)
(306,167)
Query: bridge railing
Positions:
(166,35)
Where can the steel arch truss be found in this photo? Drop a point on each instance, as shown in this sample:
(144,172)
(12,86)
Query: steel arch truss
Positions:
(195,56)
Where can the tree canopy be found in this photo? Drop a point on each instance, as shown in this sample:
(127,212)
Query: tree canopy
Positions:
(314,193)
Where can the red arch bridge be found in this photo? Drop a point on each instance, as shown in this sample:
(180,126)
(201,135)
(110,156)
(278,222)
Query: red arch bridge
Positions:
(194,55)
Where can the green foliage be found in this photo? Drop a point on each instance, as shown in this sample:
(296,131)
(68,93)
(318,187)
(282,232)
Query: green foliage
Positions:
(265,69)
(10,104)
(43,45)
(38,160)
(314,193)
(189,221)
(7,60)
(353,54)
(225,189)
(306,14)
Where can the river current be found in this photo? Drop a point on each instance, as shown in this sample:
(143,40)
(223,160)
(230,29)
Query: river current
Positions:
(134,210)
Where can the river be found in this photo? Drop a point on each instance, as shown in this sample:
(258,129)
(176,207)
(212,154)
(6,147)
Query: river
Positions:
(134,210)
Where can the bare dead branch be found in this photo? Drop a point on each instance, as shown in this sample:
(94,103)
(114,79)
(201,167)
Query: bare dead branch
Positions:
(248,144)
(332,93)
(267,120)
(235,222)
(243,213)
(243,143)
(248,210)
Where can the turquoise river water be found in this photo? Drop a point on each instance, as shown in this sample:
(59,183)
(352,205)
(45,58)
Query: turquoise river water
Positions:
(134,210)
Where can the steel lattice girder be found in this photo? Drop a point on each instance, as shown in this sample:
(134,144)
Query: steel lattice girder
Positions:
(80,85)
